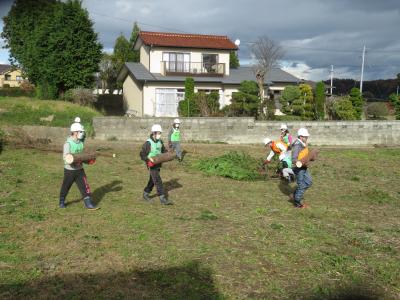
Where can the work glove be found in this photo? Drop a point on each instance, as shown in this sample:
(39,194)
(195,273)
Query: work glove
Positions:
(91,162)
(150,164)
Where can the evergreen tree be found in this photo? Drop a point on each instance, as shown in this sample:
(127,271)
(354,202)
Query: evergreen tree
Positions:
(320,100)
(395,100)
(307,98)
(233,60)
(188,107)
(54,43)
(134,35)
(343,109)
(245,102)
(289,95)
(358,102)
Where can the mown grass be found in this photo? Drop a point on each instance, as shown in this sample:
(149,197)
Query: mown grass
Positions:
(223,239)
(28,111)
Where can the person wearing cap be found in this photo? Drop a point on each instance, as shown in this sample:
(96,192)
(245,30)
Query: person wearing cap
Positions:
(151,148)
(285,159)
(174,139)
(286,137)
(74,172)
(303,177)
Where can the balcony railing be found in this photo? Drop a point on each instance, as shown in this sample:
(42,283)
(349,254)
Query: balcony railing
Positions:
(193,68)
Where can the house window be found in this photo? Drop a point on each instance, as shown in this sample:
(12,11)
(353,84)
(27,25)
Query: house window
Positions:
(209,62)
(7,77)
(19,78)
(167,101)
(176,62)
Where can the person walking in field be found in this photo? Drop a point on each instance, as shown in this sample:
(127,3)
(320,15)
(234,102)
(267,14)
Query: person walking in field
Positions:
(300,169)
(285,159)
(150,149)
(286,137)
(174,139)
(74,172)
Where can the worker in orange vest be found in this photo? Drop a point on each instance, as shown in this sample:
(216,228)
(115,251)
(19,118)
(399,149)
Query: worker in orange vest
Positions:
(303,177)
(285,159)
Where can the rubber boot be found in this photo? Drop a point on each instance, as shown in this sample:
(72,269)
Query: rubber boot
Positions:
(89,204)
(62,203)
(146,197)
(164,200)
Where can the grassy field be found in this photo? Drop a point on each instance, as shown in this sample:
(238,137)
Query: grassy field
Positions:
(223,239)
(29,111)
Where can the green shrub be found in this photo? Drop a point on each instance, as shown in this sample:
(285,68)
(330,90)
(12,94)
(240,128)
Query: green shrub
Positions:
(235,165)
(16,92)
(343,109)
(377,111)
(81,96)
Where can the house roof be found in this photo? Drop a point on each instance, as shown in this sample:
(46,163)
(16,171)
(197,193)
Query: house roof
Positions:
(183,40)
(4,68)
(236,76)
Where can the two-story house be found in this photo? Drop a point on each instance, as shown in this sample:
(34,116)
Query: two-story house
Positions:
(155,85)
(9,76)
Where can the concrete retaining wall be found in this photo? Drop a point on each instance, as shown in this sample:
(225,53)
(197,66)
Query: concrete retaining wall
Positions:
(249,131)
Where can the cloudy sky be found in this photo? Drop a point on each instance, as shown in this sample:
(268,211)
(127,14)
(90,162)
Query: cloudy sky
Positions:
(315,34)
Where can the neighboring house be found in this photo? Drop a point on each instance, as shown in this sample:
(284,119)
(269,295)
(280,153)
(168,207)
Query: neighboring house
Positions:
(10,76)
(155,85)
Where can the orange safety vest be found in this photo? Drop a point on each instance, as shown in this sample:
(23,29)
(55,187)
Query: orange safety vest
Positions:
(303,153)
(275,148)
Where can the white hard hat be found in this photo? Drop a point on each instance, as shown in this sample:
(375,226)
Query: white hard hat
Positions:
(177,121)
(303,132)
(283,127)
(267,141)
(77,120)
(77,127)
(156,128)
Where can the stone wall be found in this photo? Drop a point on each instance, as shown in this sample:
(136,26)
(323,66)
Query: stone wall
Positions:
(249,131)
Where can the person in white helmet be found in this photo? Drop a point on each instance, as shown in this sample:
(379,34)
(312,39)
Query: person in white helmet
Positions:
(285,160)
(74,172)
(151,148)
(78,120)
(303,177)
(286,137)
(174,138)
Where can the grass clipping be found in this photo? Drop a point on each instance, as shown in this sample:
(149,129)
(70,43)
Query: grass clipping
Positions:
(233,164)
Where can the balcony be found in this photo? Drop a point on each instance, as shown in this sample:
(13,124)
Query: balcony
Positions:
(192,69)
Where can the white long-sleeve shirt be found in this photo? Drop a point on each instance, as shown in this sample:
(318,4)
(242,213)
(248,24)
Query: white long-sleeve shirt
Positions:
(282,155)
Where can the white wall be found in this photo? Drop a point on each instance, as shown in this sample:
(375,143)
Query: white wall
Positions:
(132,93)
(195,56)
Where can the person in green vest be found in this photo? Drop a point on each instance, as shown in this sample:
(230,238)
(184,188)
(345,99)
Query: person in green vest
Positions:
(174,138)
(151,148)
(74,172)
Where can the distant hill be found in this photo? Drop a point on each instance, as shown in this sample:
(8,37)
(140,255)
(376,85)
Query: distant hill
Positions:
(373,89)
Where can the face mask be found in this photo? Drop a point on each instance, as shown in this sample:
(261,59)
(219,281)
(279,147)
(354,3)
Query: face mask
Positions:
(176,125)
(158,136)
(80,135)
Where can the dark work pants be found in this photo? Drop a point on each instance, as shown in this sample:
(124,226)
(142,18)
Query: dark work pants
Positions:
(77,176)
(155,180)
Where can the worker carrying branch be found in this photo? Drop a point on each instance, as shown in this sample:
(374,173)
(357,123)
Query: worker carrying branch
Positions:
(74,172)
(151,148)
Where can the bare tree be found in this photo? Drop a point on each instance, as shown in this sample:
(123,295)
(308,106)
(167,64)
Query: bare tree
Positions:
(267,53)
(108,72)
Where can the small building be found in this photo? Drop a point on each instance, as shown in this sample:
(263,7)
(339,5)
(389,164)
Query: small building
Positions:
(155,85)
(10,76)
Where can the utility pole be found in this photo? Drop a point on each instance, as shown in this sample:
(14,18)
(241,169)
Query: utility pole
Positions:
(331,80)
(362,70)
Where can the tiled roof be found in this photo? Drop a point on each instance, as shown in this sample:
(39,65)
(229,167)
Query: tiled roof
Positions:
(235,77)
(183,40)
(4,68)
